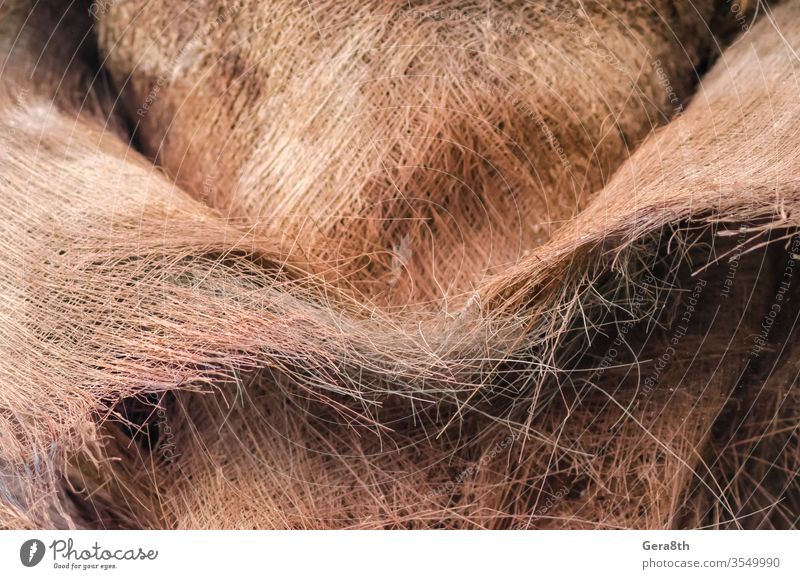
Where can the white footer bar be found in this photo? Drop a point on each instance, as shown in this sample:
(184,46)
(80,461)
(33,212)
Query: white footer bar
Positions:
(388,554)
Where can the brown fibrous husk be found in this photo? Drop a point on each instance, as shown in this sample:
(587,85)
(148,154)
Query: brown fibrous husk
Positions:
(170,361)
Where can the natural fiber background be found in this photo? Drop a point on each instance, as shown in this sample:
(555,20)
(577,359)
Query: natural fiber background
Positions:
(353,265)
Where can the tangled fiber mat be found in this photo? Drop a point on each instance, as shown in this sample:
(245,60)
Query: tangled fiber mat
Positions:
(399,265)
(408,148)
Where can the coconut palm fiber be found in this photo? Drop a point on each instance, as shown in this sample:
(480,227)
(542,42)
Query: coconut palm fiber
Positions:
(406,148)
(198,329)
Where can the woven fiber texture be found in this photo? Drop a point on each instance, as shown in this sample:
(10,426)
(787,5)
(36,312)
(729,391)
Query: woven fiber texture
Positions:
(392,265)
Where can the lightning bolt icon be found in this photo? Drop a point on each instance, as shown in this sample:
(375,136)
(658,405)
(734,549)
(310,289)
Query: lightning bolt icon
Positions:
(34,548)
